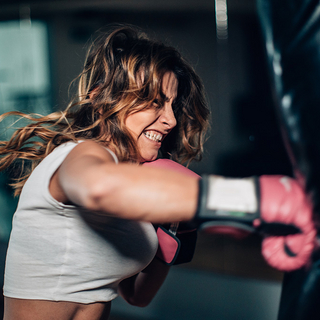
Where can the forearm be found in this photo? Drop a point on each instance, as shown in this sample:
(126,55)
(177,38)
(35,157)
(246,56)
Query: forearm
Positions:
(140,289)
(153,195)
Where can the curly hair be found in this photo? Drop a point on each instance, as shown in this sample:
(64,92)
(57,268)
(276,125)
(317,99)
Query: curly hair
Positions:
(122,75)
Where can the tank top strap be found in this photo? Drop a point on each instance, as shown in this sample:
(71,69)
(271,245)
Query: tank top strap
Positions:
(115,158)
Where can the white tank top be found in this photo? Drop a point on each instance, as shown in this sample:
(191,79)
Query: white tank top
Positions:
(54,254)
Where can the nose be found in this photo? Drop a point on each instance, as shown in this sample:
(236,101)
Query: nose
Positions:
(167,116)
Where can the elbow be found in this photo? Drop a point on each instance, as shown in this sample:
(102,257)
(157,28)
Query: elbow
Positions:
(143,305)
(140,302)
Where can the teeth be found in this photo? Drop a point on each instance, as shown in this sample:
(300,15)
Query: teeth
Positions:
(153,136)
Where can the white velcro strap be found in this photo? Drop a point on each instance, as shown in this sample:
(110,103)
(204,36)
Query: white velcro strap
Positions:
(230,194)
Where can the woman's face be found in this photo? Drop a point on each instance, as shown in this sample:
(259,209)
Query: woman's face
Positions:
(149,127)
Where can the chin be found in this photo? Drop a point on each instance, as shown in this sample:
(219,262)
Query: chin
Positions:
(148,158)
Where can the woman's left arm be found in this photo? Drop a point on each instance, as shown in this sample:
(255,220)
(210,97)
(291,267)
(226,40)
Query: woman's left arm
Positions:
(140,289)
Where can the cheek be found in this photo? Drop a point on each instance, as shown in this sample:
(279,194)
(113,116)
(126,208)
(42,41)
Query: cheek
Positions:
(132,124)
(137,122)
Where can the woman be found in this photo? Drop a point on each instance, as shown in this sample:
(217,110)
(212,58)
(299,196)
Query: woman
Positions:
(74,245)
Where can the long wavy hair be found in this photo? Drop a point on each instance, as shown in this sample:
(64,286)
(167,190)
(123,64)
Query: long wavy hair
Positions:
(122,75)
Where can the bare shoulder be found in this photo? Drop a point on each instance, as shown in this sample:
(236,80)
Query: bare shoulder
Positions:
(81,165)
(90,148)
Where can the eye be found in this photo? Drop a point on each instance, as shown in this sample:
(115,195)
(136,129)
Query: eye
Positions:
(156,104)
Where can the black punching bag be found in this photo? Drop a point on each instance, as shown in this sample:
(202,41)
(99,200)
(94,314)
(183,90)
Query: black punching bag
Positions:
(291,30)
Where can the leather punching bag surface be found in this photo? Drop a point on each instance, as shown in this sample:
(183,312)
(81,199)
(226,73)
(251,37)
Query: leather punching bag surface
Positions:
(291,30)
(292,38)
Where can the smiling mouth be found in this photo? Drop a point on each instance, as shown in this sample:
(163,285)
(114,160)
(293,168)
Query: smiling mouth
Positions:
(154,136)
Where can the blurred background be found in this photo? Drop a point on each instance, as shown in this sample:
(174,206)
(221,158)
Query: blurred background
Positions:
(42,49)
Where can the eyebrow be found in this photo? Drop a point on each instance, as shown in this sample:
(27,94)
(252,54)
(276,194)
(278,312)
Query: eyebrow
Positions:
(165,98)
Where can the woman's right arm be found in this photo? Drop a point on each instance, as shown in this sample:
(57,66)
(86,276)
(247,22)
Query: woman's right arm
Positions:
(89,177)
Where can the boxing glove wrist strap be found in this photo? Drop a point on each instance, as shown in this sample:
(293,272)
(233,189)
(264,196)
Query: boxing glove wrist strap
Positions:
(228,201)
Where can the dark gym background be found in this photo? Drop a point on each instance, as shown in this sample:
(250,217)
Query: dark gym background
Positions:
(228,279)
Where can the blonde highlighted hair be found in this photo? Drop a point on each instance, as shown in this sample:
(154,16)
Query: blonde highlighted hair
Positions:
(122,74)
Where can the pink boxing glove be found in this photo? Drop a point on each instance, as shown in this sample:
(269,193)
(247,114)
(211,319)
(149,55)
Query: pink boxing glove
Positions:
(283,201)
(274,206)
(171,165)
(177,242)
